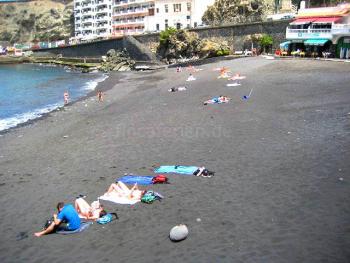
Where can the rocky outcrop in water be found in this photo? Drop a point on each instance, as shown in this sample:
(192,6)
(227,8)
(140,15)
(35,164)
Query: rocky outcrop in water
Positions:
(41,20)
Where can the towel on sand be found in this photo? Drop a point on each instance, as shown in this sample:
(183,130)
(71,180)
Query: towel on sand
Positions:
(136,179)
(178,169)
(118,199)
(217,100)
(83,226)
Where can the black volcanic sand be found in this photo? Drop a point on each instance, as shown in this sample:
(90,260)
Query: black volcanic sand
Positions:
(281,191)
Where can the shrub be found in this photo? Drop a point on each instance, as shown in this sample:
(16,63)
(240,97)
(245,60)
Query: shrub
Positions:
(165,35)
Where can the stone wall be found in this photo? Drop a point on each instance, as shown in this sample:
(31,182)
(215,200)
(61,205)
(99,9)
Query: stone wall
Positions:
(236,35)
(139,50)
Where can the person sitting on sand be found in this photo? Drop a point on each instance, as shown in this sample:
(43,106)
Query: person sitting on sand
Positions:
(89,212)
(67,220)
(119,189)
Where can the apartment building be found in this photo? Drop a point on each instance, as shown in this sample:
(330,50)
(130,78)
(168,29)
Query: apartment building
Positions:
(111,18)
(93,19)
(178,13)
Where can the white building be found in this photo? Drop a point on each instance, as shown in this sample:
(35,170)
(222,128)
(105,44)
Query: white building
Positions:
(93,19)
(178,14)
(321,29)
(110,18)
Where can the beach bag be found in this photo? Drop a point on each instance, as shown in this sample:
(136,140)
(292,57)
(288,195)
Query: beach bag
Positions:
(149,197)
(48,223)
(160,179)
(107,218)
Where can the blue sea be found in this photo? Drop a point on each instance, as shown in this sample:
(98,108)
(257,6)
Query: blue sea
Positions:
(27,91)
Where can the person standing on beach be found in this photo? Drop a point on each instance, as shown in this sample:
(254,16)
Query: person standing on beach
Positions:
(100,96)
(66,220)
(66,97)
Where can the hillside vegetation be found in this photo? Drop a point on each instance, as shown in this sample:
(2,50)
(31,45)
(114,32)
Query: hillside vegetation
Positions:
(40,20)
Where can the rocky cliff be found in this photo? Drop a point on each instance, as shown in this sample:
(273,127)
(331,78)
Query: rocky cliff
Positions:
(238,11)
(40,20)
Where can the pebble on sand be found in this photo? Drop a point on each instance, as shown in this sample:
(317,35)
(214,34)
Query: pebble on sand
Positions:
(178,233)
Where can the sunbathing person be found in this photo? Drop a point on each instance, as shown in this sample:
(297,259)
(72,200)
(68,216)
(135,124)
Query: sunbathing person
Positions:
(218,100)
(89,212)
(121,190)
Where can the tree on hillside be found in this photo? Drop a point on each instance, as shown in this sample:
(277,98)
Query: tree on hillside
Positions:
(235,11)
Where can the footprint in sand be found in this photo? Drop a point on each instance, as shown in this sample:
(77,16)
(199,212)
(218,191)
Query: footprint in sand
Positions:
(21,236)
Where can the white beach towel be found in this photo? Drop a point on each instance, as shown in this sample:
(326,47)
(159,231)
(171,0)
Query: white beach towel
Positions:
(191,78)
(233,84)
(119,200)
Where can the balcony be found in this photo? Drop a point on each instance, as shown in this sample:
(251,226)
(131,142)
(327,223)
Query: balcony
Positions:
(87,20)
(308,33)
(341,29)
(102,9)
(135,11)
(102,18)
(129,21)
(87,12)
(87,27)
(128,32)
(130,2)
(102,25)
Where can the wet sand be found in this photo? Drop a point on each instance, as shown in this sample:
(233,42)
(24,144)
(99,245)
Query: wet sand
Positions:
(281,191)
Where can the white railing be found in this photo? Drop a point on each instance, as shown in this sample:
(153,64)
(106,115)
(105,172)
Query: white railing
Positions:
(135,11)
(341,29)
(102,18)
(129,21)
(87,20)
(308,33)
(128,2)
(325,33)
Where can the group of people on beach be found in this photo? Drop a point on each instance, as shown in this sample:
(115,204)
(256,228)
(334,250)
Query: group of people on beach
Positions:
(100,96)
(69,217)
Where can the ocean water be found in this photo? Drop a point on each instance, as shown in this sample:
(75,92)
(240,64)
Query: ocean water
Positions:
(27,91)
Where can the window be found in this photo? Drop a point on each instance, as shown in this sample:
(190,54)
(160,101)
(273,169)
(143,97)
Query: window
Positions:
(177,8)
(178,25)
(157,27)
(189,7)
(166,8)
(157,10)
(166,24)
(188,17)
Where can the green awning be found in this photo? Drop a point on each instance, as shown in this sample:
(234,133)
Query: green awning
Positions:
(284,44)
(316,42)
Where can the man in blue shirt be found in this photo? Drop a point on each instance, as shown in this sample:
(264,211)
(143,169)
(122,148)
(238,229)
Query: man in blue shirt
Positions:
(67,219)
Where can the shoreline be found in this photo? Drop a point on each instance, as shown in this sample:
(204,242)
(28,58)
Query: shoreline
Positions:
(92,93)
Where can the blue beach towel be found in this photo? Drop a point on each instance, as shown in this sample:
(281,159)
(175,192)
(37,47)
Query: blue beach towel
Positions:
(139,179)
(83,226)
(178,169)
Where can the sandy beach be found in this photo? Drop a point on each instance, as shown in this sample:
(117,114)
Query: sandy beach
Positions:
(281,190)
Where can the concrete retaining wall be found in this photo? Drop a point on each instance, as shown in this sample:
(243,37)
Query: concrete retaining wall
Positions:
(139,46)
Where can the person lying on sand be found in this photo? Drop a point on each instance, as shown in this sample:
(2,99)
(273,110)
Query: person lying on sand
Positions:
(218,100)
(89,212)
(174,89)
(67,220)
(121,190)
